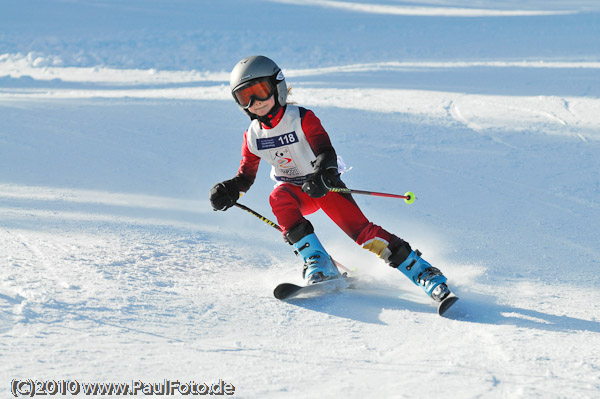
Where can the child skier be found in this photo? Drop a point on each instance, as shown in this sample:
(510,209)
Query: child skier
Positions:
(304,165)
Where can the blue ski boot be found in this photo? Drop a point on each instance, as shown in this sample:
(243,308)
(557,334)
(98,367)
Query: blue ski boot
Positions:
(318,265)
(424,275)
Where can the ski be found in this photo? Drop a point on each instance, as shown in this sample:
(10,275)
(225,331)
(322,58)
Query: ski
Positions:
(289,290)
(446,304)
(286,291)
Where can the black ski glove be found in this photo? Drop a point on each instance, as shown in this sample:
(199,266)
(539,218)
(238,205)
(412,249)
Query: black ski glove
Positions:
(324,177)
(224,195)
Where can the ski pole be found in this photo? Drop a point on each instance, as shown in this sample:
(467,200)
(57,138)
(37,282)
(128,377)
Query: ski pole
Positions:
(409,196)
(258,215)
(277,227)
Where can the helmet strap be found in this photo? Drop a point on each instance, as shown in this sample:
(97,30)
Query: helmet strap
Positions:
(267,119)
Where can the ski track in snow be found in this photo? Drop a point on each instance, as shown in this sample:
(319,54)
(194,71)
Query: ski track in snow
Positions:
(547,114)
(421,11)
(114,268)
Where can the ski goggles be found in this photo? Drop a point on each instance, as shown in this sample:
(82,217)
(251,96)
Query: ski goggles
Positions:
(259,90)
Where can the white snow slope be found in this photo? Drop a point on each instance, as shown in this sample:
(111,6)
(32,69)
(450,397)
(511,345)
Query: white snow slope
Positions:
(115,121)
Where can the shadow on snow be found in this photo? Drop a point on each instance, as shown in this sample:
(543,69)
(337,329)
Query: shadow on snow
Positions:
(366,305)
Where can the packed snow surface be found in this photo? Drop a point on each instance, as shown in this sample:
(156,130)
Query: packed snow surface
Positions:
(116,119)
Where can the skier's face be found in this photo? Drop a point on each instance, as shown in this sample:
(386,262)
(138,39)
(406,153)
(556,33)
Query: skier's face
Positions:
(261,108)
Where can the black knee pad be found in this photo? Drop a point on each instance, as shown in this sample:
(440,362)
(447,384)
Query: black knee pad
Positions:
(299,231)
(400,254)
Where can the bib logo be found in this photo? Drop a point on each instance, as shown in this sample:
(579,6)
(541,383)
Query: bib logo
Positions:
(284,162)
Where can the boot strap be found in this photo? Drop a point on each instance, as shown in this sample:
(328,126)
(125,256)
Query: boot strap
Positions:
(297,251)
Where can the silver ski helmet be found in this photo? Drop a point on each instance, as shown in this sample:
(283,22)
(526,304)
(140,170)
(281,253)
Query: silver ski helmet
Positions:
(254,69)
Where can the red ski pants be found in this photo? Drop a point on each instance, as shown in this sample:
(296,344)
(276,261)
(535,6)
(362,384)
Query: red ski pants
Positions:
(290,204)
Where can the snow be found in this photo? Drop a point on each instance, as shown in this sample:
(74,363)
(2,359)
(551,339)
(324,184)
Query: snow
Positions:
(117,120)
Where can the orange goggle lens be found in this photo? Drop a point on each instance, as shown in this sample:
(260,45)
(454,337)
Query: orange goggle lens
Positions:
(260,90)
